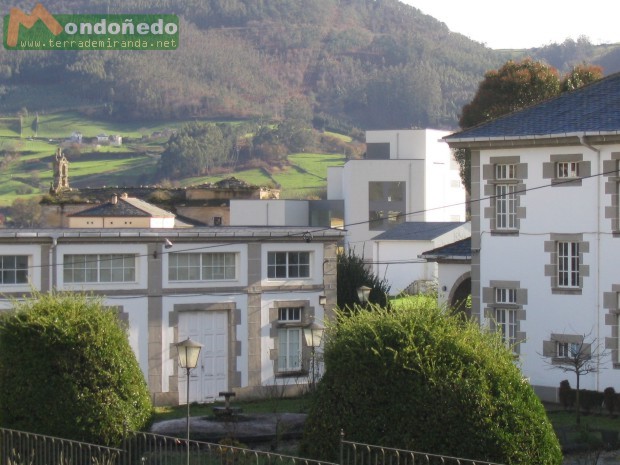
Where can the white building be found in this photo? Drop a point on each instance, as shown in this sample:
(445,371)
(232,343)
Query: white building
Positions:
(245,293)
(407,175)
(546,232)
(408,178)
(396,254)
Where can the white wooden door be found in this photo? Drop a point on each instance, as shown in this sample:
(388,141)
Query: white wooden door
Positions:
(210,377)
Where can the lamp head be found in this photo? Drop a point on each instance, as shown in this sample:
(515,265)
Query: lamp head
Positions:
(189,351)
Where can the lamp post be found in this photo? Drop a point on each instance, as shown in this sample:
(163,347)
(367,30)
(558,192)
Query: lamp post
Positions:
(189,351)
(363,294)
(313,333)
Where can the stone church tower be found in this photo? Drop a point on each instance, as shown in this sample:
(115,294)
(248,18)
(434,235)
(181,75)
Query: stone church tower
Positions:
(61,173)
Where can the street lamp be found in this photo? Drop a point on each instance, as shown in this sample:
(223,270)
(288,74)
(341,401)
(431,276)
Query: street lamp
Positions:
(189,351)
(313,333)
(363,293)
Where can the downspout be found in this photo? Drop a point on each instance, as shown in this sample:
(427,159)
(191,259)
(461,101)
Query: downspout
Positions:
(582,141)
(53,260)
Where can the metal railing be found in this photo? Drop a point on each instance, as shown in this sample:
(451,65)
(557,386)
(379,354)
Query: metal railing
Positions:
(21,448)
(140,448)
(355,453)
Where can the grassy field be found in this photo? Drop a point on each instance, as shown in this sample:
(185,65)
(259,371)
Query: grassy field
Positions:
(306,175)
(108,166)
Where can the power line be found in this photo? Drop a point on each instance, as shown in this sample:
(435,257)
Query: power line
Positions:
(308,234)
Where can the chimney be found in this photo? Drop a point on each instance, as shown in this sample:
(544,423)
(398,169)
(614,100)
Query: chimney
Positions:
(114,199)
(124,195)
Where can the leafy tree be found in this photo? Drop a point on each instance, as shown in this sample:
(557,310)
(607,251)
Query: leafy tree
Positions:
(580,76)
(26,213)
(195,149)
(418,378)
(353,273)
(512,87)
(295,131)
(67,370)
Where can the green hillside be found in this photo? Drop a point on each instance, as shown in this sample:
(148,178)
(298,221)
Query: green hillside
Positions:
(26,169)
(363,64)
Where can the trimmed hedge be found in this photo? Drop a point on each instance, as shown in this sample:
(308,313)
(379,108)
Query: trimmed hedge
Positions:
(418,378)
(67,370)
(590,401)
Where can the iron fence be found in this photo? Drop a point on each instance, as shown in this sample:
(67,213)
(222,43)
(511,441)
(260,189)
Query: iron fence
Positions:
(21,448)
(355,453)
(141,448)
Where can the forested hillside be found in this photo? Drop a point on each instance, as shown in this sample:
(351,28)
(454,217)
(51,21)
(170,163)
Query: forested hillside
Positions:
(354,63)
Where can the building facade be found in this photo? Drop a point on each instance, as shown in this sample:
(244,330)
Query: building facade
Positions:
(245,293)
(407,175)
(546,233)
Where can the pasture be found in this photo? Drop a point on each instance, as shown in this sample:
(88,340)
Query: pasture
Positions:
(26,161)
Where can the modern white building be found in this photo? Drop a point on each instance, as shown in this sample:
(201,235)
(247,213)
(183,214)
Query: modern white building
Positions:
(245,293)
(407,175)
(545,241)
(404,198)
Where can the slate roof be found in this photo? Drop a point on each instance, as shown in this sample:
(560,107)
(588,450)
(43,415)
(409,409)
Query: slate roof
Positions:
(418,230)
(124,208)
(592,109)
(457,250)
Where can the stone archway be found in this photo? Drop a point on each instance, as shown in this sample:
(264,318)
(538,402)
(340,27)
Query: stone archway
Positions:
(459,293)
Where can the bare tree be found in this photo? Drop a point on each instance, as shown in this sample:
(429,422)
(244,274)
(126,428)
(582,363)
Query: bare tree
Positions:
(581,355)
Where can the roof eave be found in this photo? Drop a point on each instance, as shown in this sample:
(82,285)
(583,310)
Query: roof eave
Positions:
(568,138)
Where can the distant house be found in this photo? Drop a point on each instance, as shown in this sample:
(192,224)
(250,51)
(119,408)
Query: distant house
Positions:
(116,140)
(103,138)
(76,137)
(122,212)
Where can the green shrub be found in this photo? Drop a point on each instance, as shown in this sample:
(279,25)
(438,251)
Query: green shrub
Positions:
(417,378)
(353,273)
(609,395)
(566,395)
(67,370)
(591,400)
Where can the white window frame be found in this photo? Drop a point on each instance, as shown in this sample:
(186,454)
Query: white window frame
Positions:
(93,266)
(505,295)
(567,169)
(566,349)
(14,269)
(505,206)
(200,267)
(505,171)
(288,265)
(568,264)
(506,325)
(290,341)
